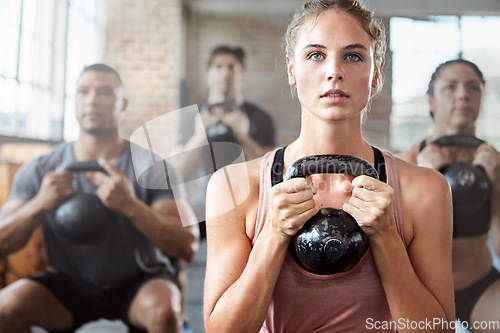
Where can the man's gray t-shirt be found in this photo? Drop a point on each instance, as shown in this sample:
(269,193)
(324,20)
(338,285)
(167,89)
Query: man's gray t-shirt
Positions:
(126,252)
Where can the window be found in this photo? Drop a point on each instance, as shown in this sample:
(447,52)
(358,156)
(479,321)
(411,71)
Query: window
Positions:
(85,45)
(44,42)
(418,47)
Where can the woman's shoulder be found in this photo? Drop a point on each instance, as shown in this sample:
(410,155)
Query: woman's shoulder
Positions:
(240,181)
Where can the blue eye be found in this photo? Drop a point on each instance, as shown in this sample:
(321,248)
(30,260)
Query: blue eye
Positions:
(353,57)
(316,56)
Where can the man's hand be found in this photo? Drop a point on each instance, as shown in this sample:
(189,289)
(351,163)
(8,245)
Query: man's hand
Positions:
(55,188)
(115,189)
(238,122)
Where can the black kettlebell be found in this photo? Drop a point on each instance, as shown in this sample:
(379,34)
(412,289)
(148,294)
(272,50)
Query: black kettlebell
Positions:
(331,241)
(469,183)
(83,219)
(220,132)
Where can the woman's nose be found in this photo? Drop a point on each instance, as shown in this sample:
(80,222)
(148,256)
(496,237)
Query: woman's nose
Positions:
(334,71)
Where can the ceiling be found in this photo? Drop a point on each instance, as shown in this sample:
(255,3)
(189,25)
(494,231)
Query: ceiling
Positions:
(421,9)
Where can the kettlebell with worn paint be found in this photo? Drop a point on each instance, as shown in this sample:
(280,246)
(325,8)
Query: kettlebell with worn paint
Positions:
(331,241)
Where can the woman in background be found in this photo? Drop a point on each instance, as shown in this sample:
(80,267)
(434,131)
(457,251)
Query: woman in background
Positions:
(455,94)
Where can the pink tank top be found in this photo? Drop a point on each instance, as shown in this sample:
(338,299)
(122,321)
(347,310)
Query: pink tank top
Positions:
(352,301)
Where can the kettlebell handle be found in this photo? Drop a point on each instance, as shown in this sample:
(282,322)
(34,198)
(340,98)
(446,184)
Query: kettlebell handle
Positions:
(340,164)
(82,166)
(458,140)
(226,105)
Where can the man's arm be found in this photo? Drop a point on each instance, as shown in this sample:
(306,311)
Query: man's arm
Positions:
(19,218)
(162,222)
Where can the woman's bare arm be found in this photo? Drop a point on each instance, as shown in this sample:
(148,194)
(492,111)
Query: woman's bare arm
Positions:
(240,278)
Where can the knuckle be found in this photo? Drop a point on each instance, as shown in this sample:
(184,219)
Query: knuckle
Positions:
(278,202)
(286,215)
(310,204)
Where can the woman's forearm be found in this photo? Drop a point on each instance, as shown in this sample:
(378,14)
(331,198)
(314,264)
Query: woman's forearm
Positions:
(244,305)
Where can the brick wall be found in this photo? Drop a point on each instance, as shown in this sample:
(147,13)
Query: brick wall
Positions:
(142,42)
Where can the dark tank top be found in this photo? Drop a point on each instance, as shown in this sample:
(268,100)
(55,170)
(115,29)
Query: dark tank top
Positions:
(277,170)
(470,224)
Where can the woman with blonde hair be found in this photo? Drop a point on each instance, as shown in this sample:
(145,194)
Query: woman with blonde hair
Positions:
(335,51)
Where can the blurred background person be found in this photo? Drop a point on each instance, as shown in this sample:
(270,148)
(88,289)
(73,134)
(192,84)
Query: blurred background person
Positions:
(455,94)
(121,268)
(226,117)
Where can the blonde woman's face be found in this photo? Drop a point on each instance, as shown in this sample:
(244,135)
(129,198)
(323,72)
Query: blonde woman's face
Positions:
(332,66)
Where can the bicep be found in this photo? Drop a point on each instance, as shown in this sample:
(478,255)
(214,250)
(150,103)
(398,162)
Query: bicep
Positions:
(228,247)
(430,248)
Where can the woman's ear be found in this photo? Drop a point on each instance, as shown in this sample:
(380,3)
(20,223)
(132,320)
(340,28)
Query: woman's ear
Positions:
(375,80)
(290,71)
(124,104)
(432,105)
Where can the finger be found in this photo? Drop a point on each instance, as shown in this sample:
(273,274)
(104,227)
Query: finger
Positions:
(59,182)
(294,221)
(297,185)
(299,197)
(299,209)
(66,191)
(61,174)
(364,194)
(366,182)
(347,187)
(484,146)
(354,211)
(481,150)
(350,178)
(96,178)
(482,156)
(359,203)
(310,184)
(307,214)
